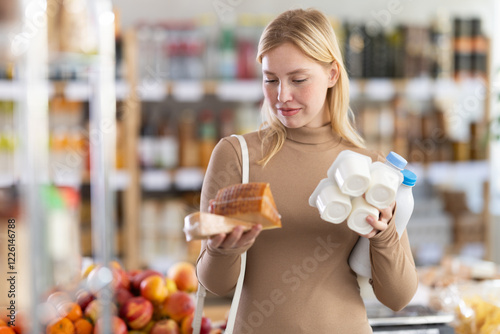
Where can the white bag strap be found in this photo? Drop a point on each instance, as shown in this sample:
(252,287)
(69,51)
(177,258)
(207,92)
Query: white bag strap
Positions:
(237,292)
(200,295)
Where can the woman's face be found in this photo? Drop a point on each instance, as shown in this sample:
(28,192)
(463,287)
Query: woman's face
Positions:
(295,86)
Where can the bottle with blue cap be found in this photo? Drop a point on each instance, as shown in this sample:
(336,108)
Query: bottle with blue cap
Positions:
(404,200)
(396,161)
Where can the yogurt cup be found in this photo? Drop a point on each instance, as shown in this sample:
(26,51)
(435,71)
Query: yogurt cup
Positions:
(333,205)
(351,171)
(384,183)
(357,219)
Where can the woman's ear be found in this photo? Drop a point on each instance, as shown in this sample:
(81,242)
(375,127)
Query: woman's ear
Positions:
(334,73)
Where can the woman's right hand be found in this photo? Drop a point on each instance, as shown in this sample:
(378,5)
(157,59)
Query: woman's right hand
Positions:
(236,239)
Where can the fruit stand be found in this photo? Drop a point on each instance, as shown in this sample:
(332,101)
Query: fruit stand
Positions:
(51,288)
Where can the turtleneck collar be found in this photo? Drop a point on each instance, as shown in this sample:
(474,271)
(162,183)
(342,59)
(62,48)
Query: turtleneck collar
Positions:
(306,135)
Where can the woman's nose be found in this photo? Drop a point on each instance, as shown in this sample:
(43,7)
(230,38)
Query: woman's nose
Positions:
(284,93)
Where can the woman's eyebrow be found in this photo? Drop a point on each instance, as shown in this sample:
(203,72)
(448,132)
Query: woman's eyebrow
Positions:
(297,71)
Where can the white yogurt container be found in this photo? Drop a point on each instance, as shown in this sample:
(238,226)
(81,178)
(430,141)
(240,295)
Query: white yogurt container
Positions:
(351,171)
(357,219)
(333,205)
(384,183)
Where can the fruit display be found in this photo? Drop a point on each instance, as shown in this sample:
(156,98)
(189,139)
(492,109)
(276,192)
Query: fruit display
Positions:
(144,302)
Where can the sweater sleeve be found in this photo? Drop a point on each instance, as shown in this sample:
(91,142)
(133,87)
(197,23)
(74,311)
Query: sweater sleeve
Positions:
(394,276)
(218,271)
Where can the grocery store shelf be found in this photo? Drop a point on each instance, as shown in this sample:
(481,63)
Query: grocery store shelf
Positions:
(376,89)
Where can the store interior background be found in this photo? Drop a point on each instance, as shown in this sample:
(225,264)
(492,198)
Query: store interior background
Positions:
(180,115)
(447,194)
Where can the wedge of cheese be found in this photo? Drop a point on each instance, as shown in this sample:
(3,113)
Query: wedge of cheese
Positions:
(242,204)
(201,225)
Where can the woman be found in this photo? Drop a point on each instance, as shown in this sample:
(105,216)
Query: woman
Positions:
(297,278)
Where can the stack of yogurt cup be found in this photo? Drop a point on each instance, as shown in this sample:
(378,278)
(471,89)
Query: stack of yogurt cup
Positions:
(356,187)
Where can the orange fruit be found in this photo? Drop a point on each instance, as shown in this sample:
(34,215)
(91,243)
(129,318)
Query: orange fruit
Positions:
(3,323)
(6,330)
(83,326)
(61,326)
(70,310)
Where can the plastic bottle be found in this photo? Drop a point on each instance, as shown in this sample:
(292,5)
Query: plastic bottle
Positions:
(359,260)
(404,200)
(395,161)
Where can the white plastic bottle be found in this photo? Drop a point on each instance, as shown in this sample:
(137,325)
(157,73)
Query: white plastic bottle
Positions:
(395,161)
(359,260)
(404,200)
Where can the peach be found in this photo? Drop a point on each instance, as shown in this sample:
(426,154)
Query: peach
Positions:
(187,328)
(83,298)
(120,279)
(178,305)
(122,295)
(184,276)
(165,326)
(171,286)
(94,309)
(136,280)
(154,289)
(137,312)
(119,326)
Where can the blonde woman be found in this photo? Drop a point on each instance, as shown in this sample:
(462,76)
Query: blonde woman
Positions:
(297,278)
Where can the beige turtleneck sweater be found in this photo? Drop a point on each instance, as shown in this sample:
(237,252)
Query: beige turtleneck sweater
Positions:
(297,278)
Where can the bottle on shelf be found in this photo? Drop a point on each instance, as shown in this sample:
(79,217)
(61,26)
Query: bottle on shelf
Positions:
(207,136)
(189,155)
(227,53)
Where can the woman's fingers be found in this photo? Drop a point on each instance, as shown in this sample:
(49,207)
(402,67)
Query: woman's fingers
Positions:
(380,224)
(249,236)
(236,239)
(232,238)
(216,240)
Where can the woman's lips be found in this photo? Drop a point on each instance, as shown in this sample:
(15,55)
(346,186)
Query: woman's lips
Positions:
(288,111)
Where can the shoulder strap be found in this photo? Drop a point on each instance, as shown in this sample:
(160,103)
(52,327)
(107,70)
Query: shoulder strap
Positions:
(200,295)
(237,292)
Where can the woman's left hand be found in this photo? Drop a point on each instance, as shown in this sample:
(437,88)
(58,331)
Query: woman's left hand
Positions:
(382,222)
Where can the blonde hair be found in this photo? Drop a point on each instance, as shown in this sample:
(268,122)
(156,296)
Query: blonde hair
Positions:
(311,31)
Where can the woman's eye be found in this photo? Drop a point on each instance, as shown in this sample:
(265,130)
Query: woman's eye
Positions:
(270,81)
(300,81)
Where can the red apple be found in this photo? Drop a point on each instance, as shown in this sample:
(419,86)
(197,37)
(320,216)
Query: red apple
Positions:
(137,278)
(165,326)
(184,276)
(137,312)
(119,326)
(178,305)
(187,328)
(122,295)
(154,289)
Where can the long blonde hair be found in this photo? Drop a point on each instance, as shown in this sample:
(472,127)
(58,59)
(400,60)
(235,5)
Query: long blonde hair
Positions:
(311,31)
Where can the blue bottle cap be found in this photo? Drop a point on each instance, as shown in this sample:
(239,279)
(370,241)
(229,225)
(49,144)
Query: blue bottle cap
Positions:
(396,160)
(409,177)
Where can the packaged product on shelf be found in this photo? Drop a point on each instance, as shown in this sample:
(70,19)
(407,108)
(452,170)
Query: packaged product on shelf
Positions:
(227,53)
(207,136)
(189,149)
(77,31)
